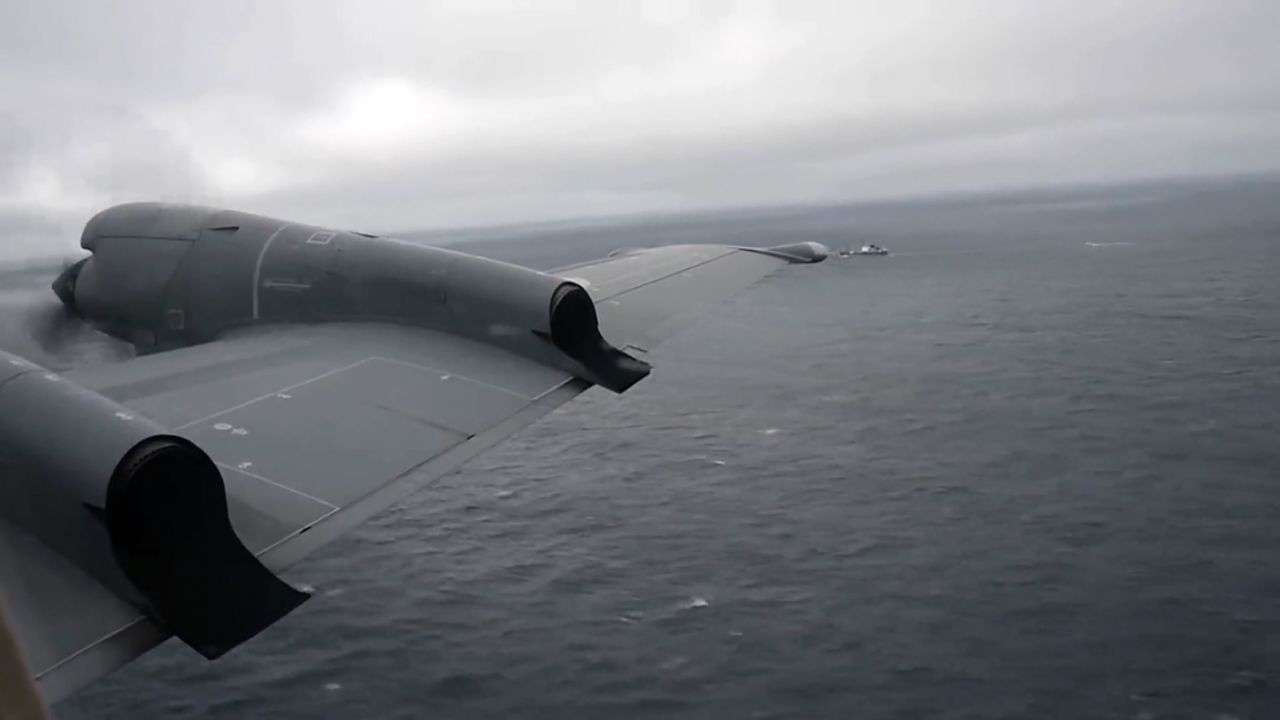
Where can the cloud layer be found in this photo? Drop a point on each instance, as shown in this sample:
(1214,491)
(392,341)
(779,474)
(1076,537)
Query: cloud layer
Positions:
(387,115)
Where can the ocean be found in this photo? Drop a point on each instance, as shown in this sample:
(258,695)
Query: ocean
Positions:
(1027,466)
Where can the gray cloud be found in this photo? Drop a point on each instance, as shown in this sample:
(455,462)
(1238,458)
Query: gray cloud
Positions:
(404,114)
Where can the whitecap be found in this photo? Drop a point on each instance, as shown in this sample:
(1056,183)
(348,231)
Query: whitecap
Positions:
(674,663)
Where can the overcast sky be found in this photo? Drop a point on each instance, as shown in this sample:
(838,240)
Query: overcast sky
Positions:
(424,113)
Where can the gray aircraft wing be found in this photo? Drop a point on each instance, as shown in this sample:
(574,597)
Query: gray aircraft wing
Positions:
(643,296)
(317,427)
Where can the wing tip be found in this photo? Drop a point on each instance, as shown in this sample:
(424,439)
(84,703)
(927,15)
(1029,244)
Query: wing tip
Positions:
(802,252)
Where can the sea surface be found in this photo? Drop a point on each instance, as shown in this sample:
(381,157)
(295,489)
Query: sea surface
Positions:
(1027,466)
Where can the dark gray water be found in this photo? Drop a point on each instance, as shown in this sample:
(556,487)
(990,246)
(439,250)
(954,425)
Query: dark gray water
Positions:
(1026,466)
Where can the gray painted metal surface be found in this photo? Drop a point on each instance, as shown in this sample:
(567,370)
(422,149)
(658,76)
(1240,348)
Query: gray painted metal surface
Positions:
(327,374)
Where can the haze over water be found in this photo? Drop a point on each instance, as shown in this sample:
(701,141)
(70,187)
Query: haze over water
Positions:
(1023,467)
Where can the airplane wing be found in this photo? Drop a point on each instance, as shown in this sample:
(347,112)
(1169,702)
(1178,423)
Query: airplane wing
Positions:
(643,296)
(315,428)
(18,697)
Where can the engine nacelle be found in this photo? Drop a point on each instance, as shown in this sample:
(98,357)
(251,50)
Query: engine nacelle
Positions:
(141,510)
(169,275)
(540,316)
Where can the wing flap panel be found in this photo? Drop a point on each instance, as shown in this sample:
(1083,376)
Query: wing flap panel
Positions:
(333,439)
